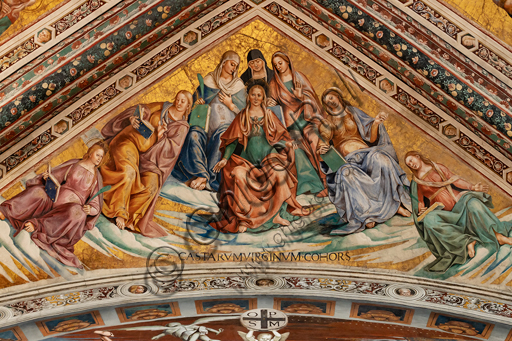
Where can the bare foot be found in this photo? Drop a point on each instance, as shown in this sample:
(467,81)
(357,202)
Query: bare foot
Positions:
(198,183)
(130,227)
(242,228)
(304,211)
(121,223)
(371,225)
(29,227)
(403,212)
(2,217)
(280,221)
(502,239)
(471,249)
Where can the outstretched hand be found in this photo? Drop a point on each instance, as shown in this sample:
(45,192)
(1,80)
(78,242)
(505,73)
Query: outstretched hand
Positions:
(220,165)
(479,187)
(271,102)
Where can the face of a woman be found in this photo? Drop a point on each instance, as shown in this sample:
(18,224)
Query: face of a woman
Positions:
(230,67)
(97,156)
(413,162)
(256,97)
(256,65)
(332,100)
(181,103)
(280,64)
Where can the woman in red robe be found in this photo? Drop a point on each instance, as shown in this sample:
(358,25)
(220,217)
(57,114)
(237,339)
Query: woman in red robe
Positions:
(57,226)
(303,114)
(256,179)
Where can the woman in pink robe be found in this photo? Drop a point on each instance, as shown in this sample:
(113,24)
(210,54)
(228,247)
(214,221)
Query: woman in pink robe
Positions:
(303,114)
(57,226)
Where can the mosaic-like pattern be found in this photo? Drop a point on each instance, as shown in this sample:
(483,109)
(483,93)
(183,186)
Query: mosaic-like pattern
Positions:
(494,60)
(354,63)
(17,54)
(435,18)
(166,54)
(28,150)
(223,17)
(418,108)
(76,15)
(57,301)
(94,103)
(481,154)
(291,19)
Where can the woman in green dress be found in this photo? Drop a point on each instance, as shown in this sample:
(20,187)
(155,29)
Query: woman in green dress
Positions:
(258,168)
(463,218)
(303,114)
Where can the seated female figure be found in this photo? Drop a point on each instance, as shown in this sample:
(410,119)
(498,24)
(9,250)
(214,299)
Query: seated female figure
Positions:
(257,180)
(57,226)
(465,219)
(371,187)
(303,113)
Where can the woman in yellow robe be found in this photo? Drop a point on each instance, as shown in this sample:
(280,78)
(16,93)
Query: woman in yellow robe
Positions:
(134,190)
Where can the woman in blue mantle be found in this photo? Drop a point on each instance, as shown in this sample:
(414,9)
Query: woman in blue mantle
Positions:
(371,187)
(225,93)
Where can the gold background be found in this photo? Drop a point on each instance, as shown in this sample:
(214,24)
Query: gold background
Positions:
(257,35)
(30,15)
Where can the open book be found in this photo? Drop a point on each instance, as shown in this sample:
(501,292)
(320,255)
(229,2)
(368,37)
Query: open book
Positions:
(145,128)
(200,115)
(52,186)
(436,205)
(333,159)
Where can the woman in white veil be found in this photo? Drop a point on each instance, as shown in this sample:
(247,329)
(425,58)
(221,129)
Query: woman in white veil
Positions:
(225,93)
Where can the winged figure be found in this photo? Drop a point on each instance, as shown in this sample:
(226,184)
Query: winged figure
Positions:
(263,336)
(191,332)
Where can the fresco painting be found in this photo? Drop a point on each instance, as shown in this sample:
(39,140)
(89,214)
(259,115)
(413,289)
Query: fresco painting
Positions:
(147,312)
(14,334)
(222,306)
(291,169)
(381,313)
(298,327)
(257,175)
(460,326)
(70,323)
(316,307)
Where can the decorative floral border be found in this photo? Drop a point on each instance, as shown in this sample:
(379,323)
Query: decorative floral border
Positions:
(65,23)
(294,285)
(222,18)
(291,19)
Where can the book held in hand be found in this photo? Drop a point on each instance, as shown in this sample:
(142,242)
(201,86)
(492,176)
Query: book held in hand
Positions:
(436,205)
(145,128)
(200,115)
(333,159)
(52,186)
